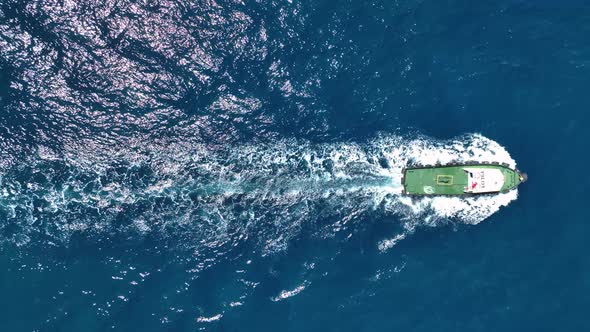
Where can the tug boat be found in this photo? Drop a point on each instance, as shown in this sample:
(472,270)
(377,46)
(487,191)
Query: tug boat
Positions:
(461,179)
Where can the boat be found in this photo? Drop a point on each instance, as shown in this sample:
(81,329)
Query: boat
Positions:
(461,179)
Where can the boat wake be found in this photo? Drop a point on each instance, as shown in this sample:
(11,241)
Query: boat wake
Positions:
(212,199)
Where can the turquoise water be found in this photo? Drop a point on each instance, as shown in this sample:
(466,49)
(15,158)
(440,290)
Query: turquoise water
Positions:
(236,165)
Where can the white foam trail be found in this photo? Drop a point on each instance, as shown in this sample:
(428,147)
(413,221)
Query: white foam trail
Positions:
(215,198)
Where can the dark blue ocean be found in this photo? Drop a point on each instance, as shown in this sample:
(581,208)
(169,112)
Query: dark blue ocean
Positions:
(235,165)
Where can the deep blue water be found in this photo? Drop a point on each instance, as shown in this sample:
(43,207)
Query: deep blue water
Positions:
(234,165)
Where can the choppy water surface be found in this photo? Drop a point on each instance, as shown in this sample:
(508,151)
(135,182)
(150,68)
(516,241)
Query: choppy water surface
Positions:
(226,165)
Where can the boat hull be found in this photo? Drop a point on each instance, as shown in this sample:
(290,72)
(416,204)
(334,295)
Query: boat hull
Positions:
(464,179)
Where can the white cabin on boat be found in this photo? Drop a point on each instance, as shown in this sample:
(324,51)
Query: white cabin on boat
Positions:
(483,180)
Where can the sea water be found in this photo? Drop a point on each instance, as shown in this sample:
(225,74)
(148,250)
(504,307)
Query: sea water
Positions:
(236,165)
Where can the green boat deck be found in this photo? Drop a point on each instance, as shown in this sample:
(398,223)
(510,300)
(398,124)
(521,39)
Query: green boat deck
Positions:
(459,180)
